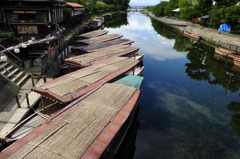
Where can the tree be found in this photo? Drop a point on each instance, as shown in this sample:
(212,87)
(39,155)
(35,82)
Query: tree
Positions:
(230,15)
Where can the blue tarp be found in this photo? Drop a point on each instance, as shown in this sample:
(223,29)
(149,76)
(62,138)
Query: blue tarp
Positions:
(224,27)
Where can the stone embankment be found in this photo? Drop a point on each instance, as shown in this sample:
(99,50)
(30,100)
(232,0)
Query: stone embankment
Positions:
(208,35)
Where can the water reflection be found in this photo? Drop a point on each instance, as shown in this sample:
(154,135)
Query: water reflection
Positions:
(235,121)
(117,20)
(141,31)
(203,65)
(186,92)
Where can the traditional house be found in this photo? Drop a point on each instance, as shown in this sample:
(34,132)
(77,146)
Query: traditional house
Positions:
(73,12)
(39,20)
(31,18)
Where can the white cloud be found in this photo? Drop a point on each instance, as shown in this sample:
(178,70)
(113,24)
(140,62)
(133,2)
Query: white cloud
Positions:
(141,31)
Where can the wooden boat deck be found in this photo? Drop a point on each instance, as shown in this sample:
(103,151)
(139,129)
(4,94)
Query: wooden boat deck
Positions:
(94,47)
(71,86)
(91,34)
(90,58)
(223,51)
(84,131)
(99,39)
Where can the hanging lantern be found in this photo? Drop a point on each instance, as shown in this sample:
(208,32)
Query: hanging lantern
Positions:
(24,45)
(16,50)
(3,57)
(30,41)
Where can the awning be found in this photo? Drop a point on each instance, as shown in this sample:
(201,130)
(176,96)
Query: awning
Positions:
(176,10)
(74,5)
(205,17)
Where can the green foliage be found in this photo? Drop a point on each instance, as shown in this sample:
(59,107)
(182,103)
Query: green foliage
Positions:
(103,5)
(158,10)
(225,11)
(226,2)
(169,7)
(230,15)
(117,21)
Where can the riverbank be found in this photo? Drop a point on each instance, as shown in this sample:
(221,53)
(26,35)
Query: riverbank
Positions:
(207,35)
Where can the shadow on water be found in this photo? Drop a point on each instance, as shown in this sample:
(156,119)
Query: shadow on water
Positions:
(204,66)
(117,20)
(181,43)
(235,121)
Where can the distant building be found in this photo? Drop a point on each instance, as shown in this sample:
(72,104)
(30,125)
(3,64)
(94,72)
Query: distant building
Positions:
(73,12)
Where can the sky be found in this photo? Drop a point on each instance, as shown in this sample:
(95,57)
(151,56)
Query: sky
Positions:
(144,2)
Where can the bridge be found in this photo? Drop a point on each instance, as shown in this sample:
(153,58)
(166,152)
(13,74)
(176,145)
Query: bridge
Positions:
(135,9)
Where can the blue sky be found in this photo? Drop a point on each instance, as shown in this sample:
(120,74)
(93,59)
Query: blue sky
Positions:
(144,2)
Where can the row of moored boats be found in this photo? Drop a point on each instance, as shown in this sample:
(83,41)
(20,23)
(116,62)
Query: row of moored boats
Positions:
(87,111)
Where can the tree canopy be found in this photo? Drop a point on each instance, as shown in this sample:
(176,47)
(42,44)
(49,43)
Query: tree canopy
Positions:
(103,5)
(222,11)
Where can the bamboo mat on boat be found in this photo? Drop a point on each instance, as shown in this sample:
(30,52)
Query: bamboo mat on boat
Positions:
(100,54)
(111,43)
(92,33)
(99,39)
(75,81)
(87,121)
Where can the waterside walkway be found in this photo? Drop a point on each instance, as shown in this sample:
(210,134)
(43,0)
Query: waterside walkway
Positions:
(211,36)
(9,119)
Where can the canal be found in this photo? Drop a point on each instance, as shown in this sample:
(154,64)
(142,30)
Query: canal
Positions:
(190,103)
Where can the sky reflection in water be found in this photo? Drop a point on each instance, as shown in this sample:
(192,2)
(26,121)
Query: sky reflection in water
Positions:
(141,31)
(180,118)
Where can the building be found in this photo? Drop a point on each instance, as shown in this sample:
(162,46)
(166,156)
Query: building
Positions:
(31,18)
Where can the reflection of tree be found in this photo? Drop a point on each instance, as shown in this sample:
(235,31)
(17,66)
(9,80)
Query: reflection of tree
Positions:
(197,69)
(203,66)
(117,20)
(235,121)
(181,43)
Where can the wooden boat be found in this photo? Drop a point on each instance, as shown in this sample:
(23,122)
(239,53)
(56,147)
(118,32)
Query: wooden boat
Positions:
(98,39)
(101,18)
(106,115)
(96,23)
(91,58)
(136,71)
(91,34)
(95,47)
(236,61)
(229,55)
(73,85)
(192,36)
(139,57)
(224,52)
(107,16)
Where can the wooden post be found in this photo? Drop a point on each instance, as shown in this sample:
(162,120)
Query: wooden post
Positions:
(44,79)
(32,81)
(28,103)
(17,100)
(43,107)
